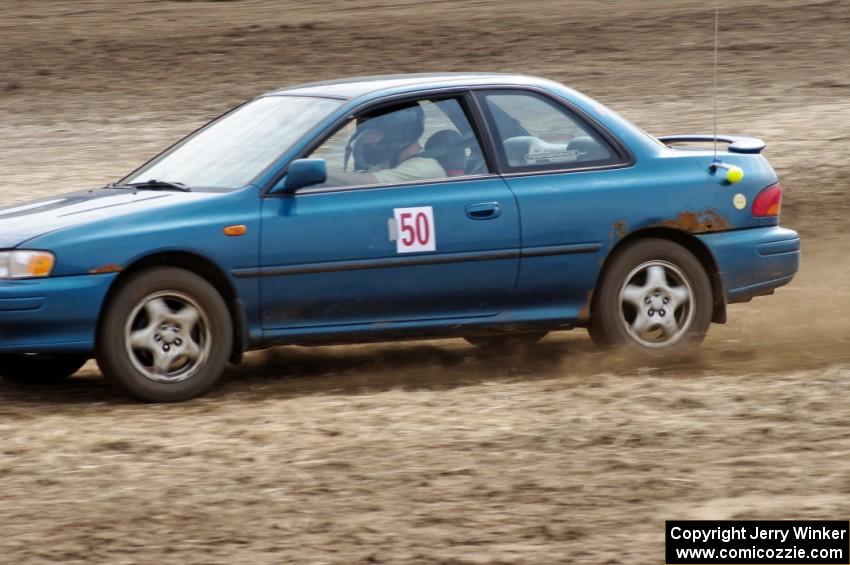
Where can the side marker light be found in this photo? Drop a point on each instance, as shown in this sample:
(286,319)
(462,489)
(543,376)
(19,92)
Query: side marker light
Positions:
(233,231)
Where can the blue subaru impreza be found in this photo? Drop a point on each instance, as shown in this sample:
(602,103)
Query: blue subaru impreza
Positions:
(491,207)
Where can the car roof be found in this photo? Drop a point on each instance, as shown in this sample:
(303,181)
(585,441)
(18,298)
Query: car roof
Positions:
(354,87)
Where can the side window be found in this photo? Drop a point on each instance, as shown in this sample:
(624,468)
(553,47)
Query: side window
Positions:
(536,133)
(414,141)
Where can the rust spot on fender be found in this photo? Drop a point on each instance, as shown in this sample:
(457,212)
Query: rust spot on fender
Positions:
(620,230)
(584,311)
(698,222)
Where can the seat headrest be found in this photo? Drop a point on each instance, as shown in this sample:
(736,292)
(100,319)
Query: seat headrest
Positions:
(448,147)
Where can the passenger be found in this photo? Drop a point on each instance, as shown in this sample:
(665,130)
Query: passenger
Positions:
(386,150)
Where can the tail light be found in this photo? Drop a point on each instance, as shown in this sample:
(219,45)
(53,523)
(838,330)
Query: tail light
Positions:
(768,202)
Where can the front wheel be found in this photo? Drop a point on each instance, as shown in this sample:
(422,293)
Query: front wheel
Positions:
(166,336)
(40,368)
(655,297)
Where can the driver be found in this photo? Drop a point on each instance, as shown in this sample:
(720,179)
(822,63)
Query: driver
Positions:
(386,150)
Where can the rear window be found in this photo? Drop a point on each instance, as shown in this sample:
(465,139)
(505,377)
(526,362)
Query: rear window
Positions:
(535,133)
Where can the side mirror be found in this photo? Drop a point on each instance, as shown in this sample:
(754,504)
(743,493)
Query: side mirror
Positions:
(304,172)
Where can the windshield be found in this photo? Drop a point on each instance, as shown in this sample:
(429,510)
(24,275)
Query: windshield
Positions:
(233,150)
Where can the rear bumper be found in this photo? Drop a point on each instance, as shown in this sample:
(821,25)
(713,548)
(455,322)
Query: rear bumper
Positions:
(754,261)
(52,314)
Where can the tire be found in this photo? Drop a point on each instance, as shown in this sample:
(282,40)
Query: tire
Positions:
(507,341)
(632,303)
(39,368)
(165,336)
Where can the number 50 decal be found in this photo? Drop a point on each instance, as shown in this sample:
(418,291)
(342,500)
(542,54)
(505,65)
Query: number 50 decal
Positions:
(415,229)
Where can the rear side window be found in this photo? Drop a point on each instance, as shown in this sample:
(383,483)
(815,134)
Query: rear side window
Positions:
(534,133)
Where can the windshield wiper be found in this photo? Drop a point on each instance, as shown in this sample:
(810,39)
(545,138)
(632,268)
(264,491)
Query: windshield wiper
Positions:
(154,184)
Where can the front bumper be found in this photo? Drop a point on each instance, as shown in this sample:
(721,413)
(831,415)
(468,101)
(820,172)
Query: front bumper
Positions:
(51,315)
(754,261)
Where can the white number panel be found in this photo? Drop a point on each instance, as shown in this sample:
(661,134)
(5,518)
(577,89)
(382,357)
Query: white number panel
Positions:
(415,229)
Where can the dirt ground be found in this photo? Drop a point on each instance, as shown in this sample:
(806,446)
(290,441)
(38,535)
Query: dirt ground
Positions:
(434,452)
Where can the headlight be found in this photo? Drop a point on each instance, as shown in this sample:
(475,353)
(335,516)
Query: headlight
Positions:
(25,264)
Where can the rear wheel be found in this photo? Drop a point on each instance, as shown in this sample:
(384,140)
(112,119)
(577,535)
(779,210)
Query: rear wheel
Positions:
(507,341)
(40,368)
(655,297)
(165,336)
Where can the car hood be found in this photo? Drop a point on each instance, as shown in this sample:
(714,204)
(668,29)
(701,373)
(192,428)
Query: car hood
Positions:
(25,221)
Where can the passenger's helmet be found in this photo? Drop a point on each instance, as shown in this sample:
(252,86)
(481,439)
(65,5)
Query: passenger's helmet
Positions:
(397,130)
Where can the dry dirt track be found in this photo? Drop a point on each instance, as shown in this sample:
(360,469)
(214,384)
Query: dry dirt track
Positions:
(433,452)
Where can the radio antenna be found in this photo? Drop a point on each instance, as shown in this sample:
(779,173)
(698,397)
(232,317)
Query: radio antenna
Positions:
(716,40)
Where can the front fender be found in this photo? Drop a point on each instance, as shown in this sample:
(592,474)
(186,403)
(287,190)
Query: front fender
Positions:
(111,244)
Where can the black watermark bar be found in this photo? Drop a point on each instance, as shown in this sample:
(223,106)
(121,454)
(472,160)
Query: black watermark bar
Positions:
(757,542)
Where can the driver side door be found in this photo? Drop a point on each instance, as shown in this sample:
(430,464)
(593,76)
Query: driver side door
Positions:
(402,253)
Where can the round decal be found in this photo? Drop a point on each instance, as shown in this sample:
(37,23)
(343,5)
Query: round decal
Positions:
(740,201)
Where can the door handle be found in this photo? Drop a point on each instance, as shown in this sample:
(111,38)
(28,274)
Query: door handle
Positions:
(484,210)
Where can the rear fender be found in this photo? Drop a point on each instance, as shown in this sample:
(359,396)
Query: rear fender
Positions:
(692,244)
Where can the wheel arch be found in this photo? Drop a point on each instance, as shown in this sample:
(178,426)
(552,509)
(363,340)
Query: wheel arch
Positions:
(692,244)
(201,266)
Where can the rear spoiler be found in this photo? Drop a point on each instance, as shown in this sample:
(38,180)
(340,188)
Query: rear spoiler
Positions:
(737,143)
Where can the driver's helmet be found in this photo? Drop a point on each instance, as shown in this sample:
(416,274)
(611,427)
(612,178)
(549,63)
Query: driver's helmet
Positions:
(379,140)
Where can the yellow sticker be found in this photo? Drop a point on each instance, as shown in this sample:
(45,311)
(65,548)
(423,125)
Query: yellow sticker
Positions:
(740,201)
